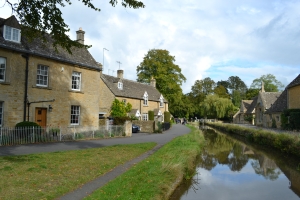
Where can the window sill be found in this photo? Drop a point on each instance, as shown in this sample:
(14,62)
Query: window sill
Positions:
(76,91)
(4,83)
(145,105)
(41,87)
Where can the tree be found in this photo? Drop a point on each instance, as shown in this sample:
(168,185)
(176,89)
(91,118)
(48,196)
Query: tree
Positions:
(271,84)
(220,90)
(39,17)
(251,93)
(120,109)
(235,83)
(160,65)
(214,106)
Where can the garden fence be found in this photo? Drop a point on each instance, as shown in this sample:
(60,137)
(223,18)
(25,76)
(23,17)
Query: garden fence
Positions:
(26,135)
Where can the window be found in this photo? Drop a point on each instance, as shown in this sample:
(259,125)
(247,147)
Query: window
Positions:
(76,81)
(145,116)
(75,115)
(11,34)
(120,85)
(42,76)
(145,97)
(1,114)
(161,101)
(2,68)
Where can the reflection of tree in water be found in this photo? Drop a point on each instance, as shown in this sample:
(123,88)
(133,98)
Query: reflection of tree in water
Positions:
(266,167)
(238,160)
(222,150)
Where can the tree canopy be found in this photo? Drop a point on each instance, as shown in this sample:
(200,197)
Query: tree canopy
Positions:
(271,84)
(160,65)
(120,109)
(39,17)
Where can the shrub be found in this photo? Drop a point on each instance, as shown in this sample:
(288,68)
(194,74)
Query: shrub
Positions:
(27,124)
(151,114)
(274,123)
(166,116)
(121,120)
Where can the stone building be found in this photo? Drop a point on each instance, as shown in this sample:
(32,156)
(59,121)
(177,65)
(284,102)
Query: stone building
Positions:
(40,84)
(246,111)
(142,97)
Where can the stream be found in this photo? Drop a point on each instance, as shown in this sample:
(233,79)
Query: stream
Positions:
(230,169)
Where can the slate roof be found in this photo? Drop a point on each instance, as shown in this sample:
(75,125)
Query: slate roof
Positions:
(245,105)
(268,98)
(79,56)
(295,82)
(280,103)
(131,89)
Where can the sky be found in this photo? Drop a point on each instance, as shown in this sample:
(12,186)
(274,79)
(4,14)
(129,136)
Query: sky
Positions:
(214,38)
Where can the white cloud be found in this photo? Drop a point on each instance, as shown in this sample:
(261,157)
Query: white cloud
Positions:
(204,36)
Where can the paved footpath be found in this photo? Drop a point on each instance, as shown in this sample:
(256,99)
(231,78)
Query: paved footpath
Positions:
(85,190)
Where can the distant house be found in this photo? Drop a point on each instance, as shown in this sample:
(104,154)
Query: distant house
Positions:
(142,97)
(269,106)
(247,110)
(289,99)
(41,85)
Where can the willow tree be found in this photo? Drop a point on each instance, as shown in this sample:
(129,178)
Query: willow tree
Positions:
(214,106)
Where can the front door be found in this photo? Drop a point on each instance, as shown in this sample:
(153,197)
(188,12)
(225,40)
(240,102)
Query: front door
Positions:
(41,116)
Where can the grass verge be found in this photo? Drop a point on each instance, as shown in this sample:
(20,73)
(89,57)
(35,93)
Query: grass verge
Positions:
(284,142)
(157,176)
(50,175)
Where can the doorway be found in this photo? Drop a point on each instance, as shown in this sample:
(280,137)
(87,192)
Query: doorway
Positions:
(41,116)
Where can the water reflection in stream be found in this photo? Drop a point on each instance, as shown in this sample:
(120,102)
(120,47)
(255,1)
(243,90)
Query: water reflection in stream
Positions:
(228,169)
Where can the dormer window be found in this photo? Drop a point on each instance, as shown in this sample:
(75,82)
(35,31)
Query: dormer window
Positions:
(120,86)
(145,97)
(11,34)
(161,101)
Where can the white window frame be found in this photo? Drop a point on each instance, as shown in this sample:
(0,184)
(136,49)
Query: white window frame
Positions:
(12,34)
(2,68)
(76,81)
(75,115)
(120,85)
(161,101)
(145,116)
(1,113)
(145,97)
(40,77)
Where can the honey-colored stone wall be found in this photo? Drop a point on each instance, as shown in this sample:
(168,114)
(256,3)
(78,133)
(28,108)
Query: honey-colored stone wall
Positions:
(294,97)
(59,88)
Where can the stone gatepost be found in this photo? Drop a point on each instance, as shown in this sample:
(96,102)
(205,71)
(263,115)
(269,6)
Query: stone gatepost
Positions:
(128,128)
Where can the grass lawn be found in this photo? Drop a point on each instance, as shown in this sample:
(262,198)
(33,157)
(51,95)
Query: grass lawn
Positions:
(50,175)
(156,176)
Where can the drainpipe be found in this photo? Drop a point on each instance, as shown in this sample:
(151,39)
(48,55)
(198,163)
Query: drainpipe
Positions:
(26,56)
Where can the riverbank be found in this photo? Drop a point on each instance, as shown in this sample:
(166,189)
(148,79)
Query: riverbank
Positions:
(284,142)
(159,175)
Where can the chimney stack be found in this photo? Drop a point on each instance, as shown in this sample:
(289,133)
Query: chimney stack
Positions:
(80,36)
(153,82)
(120,73)
(262,87)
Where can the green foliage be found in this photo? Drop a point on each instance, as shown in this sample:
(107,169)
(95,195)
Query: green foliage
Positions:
(27,124)
(295,120)
(121,120)
(236,84)
(79,136)
(159,64)
(221,92)
(40,17)
(151,114)
(274,123)
(271,84)
(236,98)
(248,118)
(120,109)
(285,143)
(251,93)
(167,116)
(216,107)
